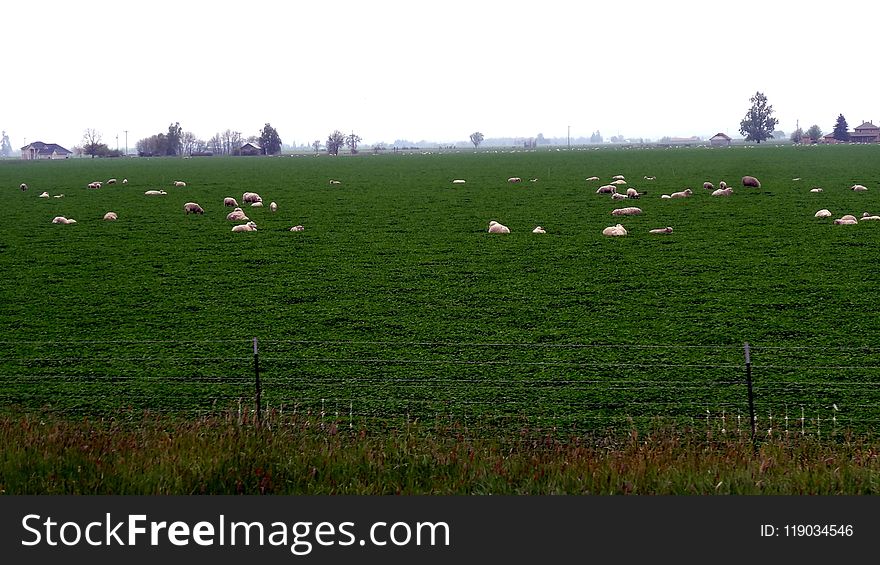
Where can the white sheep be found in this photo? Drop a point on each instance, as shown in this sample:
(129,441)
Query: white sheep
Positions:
(111,181)
(708,185)
(230,201)
(257,204)
(62,220)
(823,213)
(682,193)
(618,177)
(665,196)
(250,198)
(592,178)
(628,211)
(458,181)
(606,189)
(155,193)
(845,221)
(514,179)
(192,208)
(95,184)
(722,185)
(297,228)
(124,181)
(179,184)
(618,196)
(614,231)
(632,193)
(665,230)
(618,181)
(868,217)
(110,216)
(849,218)
(58,196)
(44,195)
(237,215)
(722,191)
(539,229)
(816,189)
(333,181)
(23,186)
(650,178)
(858,188)
(273,207)
(495,227)
(250,226)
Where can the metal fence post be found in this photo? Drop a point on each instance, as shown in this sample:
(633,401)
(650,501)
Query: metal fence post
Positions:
(257,382)
(751,393)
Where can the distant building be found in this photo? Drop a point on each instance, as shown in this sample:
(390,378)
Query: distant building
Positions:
(40,150)
(865,133)
(719,140)
(250,149)
(829,138)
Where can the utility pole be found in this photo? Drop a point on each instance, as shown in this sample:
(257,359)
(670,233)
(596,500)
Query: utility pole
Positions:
(126,143)
(569,138)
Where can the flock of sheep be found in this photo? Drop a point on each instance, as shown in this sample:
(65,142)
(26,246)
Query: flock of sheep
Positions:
(237,215)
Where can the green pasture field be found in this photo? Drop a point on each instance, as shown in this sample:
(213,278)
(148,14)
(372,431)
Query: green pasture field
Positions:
(395,303)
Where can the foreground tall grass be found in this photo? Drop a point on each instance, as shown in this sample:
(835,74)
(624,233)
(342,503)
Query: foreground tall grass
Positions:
(162,455)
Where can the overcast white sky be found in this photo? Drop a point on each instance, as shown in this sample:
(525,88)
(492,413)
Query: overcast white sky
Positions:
(430,70)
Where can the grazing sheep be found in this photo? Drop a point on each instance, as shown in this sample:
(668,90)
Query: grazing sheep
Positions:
(179,184)
(539,229)
(229,201)
(23,186)
(237,215)
(606,189)
(95,184)
(273,207)
(192,208)
(250,226)
(155,193)
(858,188)
(62,220)
(592,178)
(458,181)
(110,216)
(751,181)
(257,204)
(845,221)
(124,181)
(628,211)
(495,227)
(823,213)
(44,195)
(723,191)
(613,231)
(682,193)
(111,181)
(867,216)
(817,189)
(632,193)
(514,179)
(708,185)
(665,230)
(722,184)
(848,217)
(251,197)
(297,228)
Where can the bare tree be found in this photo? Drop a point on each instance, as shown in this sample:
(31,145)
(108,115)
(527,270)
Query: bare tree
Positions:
(188,142)
(476,138)
(335,141)
(317,145)
(352,141)
(91,142)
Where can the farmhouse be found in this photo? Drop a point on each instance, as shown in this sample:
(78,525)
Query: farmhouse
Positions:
(828,138)
(865,133)
(40,150)
(719,140)
(250,149)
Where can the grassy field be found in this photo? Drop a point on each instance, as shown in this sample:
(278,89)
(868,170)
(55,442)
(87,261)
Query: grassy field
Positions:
(395,304)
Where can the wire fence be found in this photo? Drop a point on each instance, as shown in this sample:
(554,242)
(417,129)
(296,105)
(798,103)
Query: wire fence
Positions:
(486,387)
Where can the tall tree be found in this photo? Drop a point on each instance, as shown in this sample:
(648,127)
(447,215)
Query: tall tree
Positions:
(270,141)
(351,141)
(188,143)
(91,142)
(5,146)
(758,123)
(815,132)
(477,139)
(797,135)
(175,132)
(841,129)
(334,142)
(317,145)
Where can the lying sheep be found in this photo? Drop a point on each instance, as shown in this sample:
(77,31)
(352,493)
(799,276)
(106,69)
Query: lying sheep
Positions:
(539,229)
(44,195)
(111,181)
(618,196)
(332,181)
(192,208)
(614,231)
(708,185)
(868,217)
(237,215)
(23,186)
(628,211)
(58,196)
(823,213)
(618,181)
(817,189)
(124,181)
(62,220)
(514,179)
(722,191)
(110,216)
(297,228)
(848,218)
(665,230)
(845,221)
(155,193)
(650,178)
(458,181)
(250,226)
(858,188)
(751,181)
(229,201)
(257,204)
(592,178)
(682,193)
(618,177)
(722,184)
(95,184)
(273,207)
(495,227)
(179,184)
